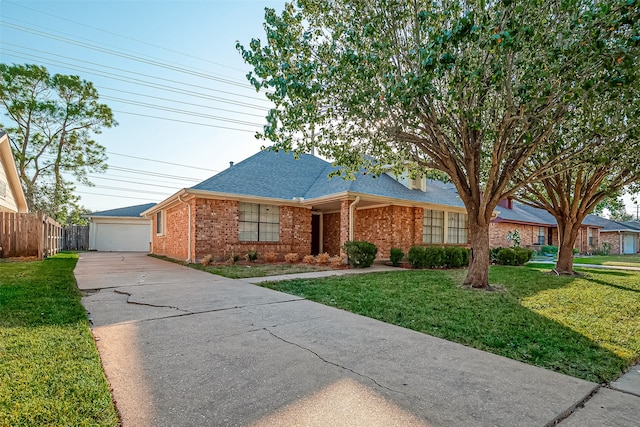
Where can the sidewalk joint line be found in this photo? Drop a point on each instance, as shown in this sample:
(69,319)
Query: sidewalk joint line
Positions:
(579,404)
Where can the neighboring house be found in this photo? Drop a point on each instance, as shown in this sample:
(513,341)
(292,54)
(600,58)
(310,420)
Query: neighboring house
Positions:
(272,202)
(12,197)
(624,237)
(538,227)
(121,229)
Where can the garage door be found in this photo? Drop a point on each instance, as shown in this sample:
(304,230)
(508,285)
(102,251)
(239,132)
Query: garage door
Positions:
(630,244)
(122,237)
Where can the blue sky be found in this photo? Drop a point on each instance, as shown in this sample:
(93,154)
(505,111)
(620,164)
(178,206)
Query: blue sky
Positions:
(177,56)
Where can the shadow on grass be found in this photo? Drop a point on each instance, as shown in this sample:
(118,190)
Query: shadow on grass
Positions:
(432,302)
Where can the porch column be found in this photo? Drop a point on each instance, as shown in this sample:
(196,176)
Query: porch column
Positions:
(344,222)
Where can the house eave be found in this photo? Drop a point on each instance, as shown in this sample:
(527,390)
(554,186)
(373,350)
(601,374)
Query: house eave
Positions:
(12,174)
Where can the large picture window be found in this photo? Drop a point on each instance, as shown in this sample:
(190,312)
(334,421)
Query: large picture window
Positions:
(458,228)
(433,226)
(259,223)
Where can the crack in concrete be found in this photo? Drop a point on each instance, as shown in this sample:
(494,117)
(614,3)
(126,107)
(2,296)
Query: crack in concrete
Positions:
(147,304)
(579,404)
(340,366)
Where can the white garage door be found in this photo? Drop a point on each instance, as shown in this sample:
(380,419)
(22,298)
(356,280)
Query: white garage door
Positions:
(630,244)
(122,237)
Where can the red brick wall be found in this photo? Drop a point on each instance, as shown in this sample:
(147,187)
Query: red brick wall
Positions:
(613,238)
(217,231)
(387,227)
(174,242)
(331,233)
(528,234)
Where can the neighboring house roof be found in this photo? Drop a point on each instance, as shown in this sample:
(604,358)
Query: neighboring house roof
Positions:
(611,226)
(9,166)
(634,223)
(522,213)
(128,211)
(279,175)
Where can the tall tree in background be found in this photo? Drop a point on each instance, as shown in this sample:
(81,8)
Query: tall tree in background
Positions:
(52,122)
(469,88)
(612,131)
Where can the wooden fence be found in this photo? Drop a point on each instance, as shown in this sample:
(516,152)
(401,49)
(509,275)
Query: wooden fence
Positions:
(28,235)
(75,238)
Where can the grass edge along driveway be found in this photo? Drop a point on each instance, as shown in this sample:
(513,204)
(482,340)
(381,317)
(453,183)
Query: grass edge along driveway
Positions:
(50,371)
(587,327)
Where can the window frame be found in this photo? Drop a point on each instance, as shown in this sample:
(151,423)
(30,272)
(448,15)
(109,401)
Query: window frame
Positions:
(542,236)
(428,237)
(459,233)
(160,223)
(590,236)
(257,223)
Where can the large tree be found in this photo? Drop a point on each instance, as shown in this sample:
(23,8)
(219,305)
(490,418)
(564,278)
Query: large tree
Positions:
(469,88)
(611,129)
(53,118)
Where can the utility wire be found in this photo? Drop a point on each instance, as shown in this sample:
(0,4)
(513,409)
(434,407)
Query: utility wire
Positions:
(130,79)
(161,161)
(137,73)
(135,182)
(106,187)
(120,54)
(125,37)
(151,173)
(182,121)
(109,175)
(112,195)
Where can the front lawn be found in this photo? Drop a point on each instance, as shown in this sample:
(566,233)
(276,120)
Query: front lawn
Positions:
(50,372)
(623,260)
(243,271)
(587,327)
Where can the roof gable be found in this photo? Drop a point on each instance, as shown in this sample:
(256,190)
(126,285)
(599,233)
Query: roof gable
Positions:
(17,201)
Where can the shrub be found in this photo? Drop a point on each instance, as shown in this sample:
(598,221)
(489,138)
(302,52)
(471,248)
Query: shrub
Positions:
(292,257)
(359,253)
(206,260)
(252,256)
(233,259)
(454,257)
(270,256)
(323,258)
(605,249)
(336,261)
(523,255)
(396,256)
(309,259)
(576,251)
(506,256)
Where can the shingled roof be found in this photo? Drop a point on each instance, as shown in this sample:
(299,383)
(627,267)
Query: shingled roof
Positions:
(128,211)
(279,175)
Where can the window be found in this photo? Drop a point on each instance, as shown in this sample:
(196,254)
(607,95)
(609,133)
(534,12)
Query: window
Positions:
(590,236)
(458,228)
(159,223)
(259,223)
(542,232)
(433,226)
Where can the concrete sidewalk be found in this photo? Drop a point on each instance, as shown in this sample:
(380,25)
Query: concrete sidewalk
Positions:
(182,347)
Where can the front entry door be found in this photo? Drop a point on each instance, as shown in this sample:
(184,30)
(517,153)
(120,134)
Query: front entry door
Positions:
(315,234)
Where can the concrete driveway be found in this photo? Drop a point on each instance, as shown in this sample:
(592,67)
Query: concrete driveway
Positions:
(185,348)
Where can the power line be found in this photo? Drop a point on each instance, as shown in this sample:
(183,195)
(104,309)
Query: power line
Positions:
(125,37)
(182,121)
(134,182)
(137,73)
(179,111)
(132,190)
(122,55)
(111,195)
(161,161)
(131,177)
(151,173)
(129,79)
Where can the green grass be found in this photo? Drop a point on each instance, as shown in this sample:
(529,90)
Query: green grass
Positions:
(246,270)
(621,260)
(50,372)
(587,327)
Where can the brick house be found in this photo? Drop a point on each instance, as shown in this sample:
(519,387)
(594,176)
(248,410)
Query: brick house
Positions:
(272,202)
(538,227)
(624,237)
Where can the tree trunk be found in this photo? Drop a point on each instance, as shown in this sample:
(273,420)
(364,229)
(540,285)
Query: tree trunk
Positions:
(567,235)
(478,275)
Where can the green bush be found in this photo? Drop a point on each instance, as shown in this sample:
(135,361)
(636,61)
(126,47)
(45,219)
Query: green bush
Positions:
(361,254)
(434,256)
(396,256)
(506,256)
(511,256)
(605,249)
(549,250)
(523,255)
